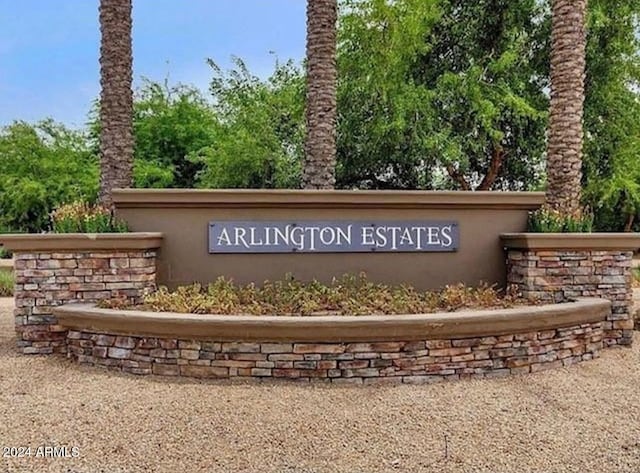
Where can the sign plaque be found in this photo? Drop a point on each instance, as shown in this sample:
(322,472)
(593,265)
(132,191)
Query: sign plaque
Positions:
(340,236)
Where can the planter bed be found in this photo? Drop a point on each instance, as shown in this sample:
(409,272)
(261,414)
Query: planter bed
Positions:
(339,349)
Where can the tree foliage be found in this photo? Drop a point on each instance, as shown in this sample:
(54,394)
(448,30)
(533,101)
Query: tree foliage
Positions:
(171,123)
(41,167)
(259,132)
(612,114)
(441,94)
(432,94)
(384,117)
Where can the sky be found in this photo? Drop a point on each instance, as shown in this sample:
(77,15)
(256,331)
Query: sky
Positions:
(49,49)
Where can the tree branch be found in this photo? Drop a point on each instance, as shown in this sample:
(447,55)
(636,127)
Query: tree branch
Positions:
(497,159)
(458,178)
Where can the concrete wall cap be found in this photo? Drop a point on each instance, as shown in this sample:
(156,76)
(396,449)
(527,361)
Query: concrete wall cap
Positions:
(42,242)
(251,198)
(571,241)
(465,324)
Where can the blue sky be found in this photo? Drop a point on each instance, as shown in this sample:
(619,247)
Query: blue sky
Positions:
(49,48)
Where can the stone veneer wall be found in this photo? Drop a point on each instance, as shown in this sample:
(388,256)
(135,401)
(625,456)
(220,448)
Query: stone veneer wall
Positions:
(48,279)
(383,362)
(559,275)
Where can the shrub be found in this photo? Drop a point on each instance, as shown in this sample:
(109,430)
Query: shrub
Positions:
(546,220)
(6,283)
(80,217)
(348,295)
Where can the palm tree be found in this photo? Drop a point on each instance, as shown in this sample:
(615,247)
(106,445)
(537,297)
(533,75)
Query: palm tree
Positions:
(320,144)
(116,98)
(564,152)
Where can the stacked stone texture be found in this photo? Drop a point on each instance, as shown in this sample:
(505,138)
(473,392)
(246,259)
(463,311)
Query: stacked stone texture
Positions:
(557,276)
(47,280)
(382,362)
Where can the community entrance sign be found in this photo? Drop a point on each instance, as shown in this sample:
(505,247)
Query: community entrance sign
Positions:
(332,236)
(420,238)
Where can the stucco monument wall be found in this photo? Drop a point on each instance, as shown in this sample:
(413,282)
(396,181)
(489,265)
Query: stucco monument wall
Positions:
(465,228)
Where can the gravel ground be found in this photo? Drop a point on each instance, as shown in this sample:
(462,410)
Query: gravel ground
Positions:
(582,419)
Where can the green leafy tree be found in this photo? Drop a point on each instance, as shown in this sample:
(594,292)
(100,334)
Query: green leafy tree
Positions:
(259,138)
(441,94)
(612,114)
(170,124)
(384,116)
(41,167)
(483,69)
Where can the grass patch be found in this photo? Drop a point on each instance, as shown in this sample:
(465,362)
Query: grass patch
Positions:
(6,283)
(636,277)
(348,295)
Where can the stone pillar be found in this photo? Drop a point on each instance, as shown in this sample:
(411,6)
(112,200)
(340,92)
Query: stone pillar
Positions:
(46,279)
(57,269)
(558,275)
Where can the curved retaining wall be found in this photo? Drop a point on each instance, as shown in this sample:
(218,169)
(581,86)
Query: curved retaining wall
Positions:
(57,270)
(421,348)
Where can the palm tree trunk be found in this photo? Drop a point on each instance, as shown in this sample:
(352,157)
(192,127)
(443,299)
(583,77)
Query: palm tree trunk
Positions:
(320,145)
(116,98)
(564,152)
